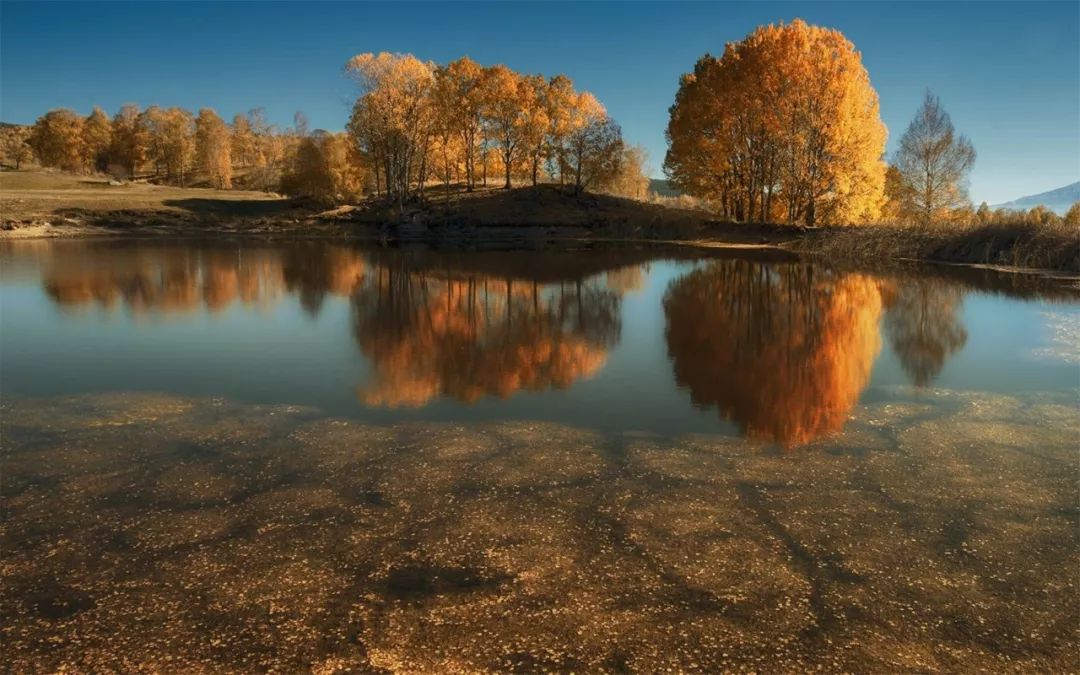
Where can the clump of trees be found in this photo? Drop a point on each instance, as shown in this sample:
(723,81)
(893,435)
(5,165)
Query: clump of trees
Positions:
(417,121)
(783,127)
(414,123)
(324,166)
(169,145)
(926,184)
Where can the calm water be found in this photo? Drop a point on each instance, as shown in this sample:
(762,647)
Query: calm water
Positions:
(616,340)
(313,456)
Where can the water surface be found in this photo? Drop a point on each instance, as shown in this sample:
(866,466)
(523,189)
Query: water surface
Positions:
(319,456)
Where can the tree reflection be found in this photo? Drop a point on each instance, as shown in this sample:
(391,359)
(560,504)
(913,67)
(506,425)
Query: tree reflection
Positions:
(784,350)
(182,279)
(314,270)
(470,335)
(923,323)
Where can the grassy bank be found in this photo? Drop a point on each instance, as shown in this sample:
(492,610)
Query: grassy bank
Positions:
(39,204)
(1019,245)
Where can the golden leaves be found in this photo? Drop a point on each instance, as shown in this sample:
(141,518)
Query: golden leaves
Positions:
(785,126)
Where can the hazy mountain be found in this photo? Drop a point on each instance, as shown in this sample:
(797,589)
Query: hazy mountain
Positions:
(1058,200)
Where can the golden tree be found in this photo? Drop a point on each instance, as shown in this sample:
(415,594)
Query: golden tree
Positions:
(57,140)
(1072,216)
(535,123)
(594,146)
(392,119)
(559,103)
(243,144)
(15,146)
(462,82)
(213,148)
(631,179)
(324,166)
(97,140)
(171,135)
(506,98)
(129,141)
(784,126)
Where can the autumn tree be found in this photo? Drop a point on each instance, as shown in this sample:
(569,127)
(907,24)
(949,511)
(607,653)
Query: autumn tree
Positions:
(57,140)
(631,179)
(461,83)
(129,141)
(785,126)
(15,146)
(171,137)
(535,123)
(213,149)
(97,140)
(507,97)
(324,167)
(1072,216)
(391,121)
(594,146)
(559,104)
(269,151)
(242,143)
(933,161)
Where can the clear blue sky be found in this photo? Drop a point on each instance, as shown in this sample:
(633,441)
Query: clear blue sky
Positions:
(1009,73)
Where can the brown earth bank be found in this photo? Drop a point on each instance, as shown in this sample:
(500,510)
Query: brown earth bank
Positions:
(41,204)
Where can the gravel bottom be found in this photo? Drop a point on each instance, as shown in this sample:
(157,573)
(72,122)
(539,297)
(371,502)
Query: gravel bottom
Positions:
(153,533)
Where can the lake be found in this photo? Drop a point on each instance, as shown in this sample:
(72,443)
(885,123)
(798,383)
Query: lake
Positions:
(303,455)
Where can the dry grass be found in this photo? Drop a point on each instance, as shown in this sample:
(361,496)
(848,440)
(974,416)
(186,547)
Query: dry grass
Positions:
(41,195)
(1022,245)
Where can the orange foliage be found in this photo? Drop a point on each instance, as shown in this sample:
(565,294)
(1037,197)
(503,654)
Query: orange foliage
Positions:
(431,336)
(784,352)
(784,124)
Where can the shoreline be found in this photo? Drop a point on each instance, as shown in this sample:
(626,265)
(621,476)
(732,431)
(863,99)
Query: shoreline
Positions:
(492,237)
(57,206)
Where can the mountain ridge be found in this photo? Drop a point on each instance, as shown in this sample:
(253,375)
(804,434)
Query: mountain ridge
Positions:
(1057,200)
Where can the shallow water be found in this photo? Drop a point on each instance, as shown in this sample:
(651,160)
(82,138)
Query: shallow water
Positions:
(316,456)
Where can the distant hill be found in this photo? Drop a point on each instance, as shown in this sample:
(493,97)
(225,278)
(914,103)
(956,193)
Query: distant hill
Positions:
(663,188)
(1058,200)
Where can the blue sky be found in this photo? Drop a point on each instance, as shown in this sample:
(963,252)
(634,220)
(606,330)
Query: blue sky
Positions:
(1009,73)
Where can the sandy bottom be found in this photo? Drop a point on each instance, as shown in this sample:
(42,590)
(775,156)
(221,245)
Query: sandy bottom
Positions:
(152,533)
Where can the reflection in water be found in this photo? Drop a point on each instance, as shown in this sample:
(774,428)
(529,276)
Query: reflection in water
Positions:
(169,279)
(783,351)
(923,323)
(473,335)
(313,270)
